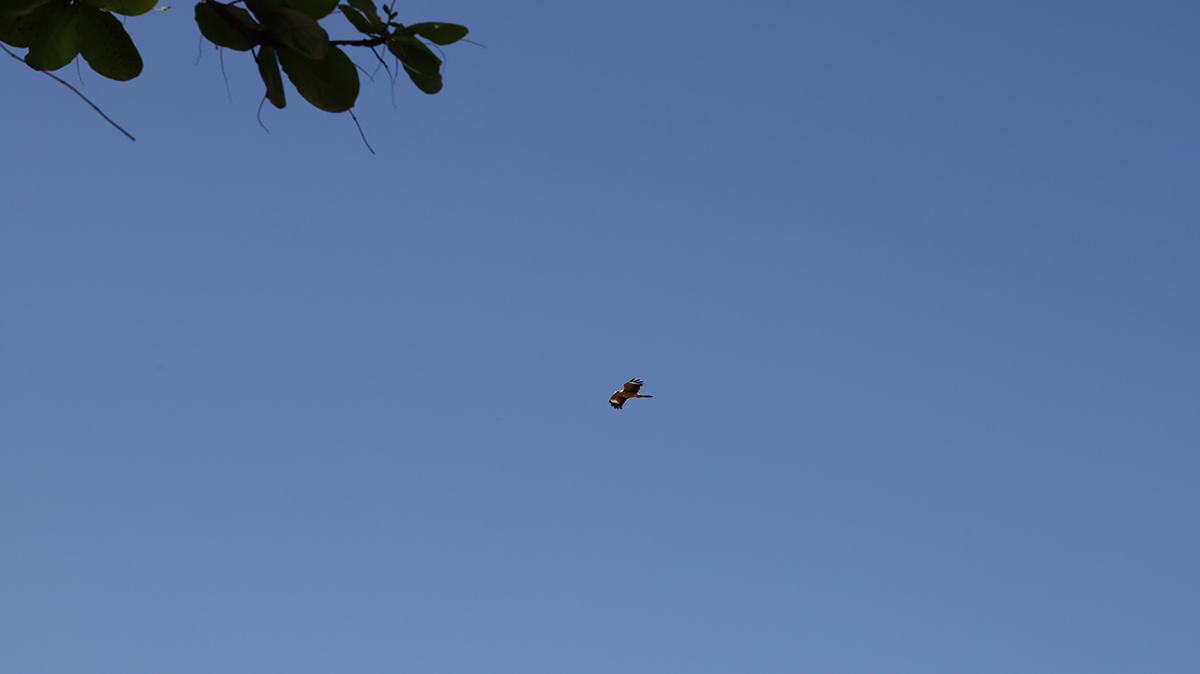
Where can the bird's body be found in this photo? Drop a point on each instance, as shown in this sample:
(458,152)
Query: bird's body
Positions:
(630,390)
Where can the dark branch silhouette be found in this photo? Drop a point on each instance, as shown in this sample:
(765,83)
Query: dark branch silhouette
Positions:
(77,93)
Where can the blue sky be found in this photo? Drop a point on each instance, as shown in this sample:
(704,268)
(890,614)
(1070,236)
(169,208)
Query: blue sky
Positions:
(914,287)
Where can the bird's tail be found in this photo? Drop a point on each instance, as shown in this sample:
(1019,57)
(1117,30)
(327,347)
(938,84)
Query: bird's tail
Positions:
(642,395)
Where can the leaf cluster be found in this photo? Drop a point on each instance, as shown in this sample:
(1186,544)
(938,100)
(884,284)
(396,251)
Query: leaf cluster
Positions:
(56,31)
(287,35)
(280,33)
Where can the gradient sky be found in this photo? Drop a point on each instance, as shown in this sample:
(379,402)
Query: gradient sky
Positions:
(915,287)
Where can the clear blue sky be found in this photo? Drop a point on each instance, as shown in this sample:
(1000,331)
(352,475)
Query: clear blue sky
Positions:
(915,287)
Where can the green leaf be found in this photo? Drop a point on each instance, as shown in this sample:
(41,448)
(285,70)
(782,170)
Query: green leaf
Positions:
(268,67)
(218,29)
(438,33)
(262,8)
(330,84)
(421,64)
(361,23)
(317,9)
(106,46)
(20,31)
(57,43)
(126,7)
(298,31)
(367,7)
(20,7)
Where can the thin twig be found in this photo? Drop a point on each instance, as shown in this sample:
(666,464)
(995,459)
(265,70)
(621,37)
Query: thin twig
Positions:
(360,131)
(364,71)
(228,92)
(260,107)
(77,93)
(381,61)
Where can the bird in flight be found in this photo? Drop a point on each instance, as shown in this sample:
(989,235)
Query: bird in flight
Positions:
(629,391)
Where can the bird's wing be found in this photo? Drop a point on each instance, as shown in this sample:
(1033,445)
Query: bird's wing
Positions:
(633,386)
(617,399)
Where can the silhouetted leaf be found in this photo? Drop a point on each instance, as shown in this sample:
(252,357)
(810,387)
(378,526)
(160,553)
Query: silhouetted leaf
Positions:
(20,7)
(106,46)
(20,31)
(220,31)
(126,7)
(57,42)
(330,84)
(298,31)
(268,67)
(438,33)
(367,7)
(317,9)
(261,8)
(419,61)
(361,23)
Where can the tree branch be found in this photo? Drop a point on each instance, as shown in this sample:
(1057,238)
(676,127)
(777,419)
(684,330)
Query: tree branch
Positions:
(77,93)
